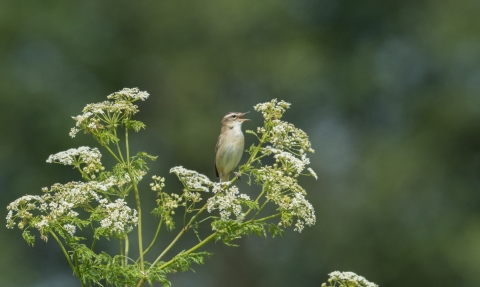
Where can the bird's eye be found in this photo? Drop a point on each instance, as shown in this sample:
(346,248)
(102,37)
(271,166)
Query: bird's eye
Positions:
(234,116)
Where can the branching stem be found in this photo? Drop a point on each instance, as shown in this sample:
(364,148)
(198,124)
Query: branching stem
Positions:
(112,153)
(68,257)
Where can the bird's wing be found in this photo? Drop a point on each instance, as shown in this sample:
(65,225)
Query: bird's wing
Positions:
(215,158)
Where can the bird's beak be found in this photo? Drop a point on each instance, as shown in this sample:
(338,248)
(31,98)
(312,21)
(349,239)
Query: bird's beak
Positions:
(243,120)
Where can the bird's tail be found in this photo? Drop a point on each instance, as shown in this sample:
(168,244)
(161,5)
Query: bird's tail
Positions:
(224,177)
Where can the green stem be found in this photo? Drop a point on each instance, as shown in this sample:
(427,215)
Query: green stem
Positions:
(260,157)
(155,237)
(170,246)
(199,245)
(121,250)
(118,146)
(185,213)
(194,248)
(112,153)
(179,235)
(262,219)
(68,257)
(260,209)
(126,250)
(94,243)
(77,267)
(85,176)
(256,200)
(257,149)
(137,200)
(127,149)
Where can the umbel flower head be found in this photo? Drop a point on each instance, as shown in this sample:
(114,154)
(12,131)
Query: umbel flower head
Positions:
(289,147)
(192,180)
(347,279)
(106,115)
(59,205)
(89,157)
(227,200)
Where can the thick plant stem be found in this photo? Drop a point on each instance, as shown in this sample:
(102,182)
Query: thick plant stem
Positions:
(94,243)
(126,250)
(139,209)
(77,267)
(137,200)
(121,250)
(68,258)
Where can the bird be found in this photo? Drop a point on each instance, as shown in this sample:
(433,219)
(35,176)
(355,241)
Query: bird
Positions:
(230,144)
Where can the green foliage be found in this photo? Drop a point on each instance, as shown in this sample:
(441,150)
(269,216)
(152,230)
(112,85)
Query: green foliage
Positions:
(229,230)
(97,268)
(183,261)
(275,230)
(133,125)
(30,239)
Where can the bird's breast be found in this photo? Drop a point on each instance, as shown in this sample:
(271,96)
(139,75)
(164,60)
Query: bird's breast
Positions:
(230,151)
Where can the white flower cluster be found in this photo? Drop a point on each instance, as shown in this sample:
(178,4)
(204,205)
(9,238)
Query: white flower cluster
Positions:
(96,116)
(191,179)
(294,203)
(158,183)
(348,279)
(129,94)
(272,110)
(70,229)
(289,146)
(227,200)
(192,196)
(118,217)
(289,161)
(303,209)
(76,156)
(170,202)
(57,207)
(278,181)
(310,170)
(23,207)
(137,176)
(284,135)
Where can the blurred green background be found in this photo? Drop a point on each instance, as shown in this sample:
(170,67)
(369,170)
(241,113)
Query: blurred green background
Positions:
(389,92)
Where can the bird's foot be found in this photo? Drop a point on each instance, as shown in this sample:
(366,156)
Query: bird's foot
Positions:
(238,175)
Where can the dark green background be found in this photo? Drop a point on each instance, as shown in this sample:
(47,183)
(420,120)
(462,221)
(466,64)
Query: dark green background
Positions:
(389,92)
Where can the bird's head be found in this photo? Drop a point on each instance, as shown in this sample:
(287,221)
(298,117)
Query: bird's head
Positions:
(233,118)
